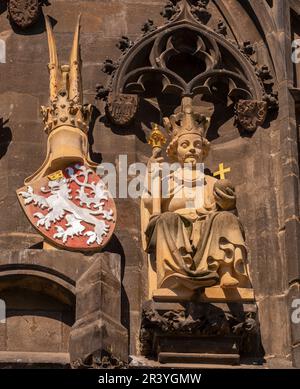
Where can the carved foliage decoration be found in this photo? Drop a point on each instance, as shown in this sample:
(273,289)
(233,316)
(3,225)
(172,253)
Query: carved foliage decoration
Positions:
(99,360)
(24,13)
(187,58)
(199,320)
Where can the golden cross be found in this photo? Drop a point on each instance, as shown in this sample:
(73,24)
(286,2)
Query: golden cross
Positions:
(221,173)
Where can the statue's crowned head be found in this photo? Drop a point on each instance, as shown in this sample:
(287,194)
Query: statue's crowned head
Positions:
(187,130)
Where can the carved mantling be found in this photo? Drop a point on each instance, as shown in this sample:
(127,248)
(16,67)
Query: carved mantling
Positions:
(213,65)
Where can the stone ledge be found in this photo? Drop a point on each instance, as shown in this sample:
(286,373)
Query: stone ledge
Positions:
(141,362)
(23,357)
(212,294)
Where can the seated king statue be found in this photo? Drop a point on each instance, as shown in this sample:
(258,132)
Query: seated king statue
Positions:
(193,244)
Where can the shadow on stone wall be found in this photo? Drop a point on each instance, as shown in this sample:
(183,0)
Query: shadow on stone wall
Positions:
(115,246)
(5,137)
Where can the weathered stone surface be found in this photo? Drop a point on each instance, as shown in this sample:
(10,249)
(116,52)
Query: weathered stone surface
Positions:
(264,166)
(200,332)
(272,310)
(98,312)
(46,276)
(36,322)
(294,303)
(296,356)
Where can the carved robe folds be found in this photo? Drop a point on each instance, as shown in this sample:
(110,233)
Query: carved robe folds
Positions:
(196,248)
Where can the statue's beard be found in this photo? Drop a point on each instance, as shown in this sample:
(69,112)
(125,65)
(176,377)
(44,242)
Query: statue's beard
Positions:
(191,159)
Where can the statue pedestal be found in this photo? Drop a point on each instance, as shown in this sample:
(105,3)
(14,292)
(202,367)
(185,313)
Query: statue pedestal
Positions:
(208,329)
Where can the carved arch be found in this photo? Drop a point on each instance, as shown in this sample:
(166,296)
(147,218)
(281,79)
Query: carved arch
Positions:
(205,47)
(187,58)
(33,278)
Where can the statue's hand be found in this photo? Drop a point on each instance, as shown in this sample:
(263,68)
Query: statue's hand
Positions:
(224,194)
(155,158)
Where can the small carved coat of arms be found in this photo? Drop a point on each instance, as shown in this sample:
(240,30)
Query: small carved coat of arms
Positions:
(122,108)
(251,114)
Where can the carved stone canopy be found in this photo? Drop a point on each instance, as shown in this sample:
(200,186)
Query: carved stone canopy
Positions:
(203,53)
(186,58)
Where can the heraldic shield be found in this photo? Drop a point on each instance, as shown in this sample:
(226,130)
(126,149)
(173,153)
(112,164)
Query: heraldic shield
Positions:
(71,208)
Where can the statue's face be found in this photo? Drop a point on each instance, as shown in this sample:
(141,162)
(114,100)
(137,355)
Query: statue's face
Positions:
(189,149)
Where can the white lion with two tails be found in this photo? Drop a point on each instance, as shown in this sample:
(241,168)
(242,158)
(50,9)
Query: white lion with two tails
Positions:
(60,206)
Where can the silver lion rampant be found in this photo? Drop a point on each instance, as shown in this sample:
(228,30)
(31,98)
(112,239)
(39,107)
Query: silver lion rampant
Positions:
(60,206)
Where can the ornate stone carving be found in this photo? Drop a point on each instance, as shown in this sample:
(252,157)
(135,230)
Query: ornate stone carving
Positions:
(101,92)
(164,46)
(24,13)
(263,72)
(248,48)
(122,108)
(148,27)
(221,28)
(212,60)
(99,360)
(66,106)
(170,9)
(266,79)
(124,44)
(109,66)
(199,10)
(251,114)
(272,100)
(199,320)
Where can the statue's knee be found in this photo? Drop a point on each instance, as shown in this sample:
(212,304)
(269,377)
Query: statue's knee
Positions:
(168,217)
(225,217)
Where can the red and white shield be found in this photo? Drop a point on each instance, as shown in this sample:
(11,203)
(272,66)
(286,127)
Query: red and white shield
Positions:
(72,208)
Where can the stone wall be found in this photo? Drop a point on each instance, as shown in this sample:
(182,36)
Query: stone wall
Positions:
(264,166)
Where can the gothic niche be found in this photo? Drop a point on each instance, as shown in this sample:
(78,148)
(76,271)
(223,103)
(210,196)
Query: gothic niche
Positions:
(40,312)
(199,310)
(187,58)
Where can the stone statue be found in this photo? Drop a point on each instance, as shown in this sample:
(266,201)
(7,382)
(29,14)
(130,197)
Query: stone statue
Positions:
(199,245)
